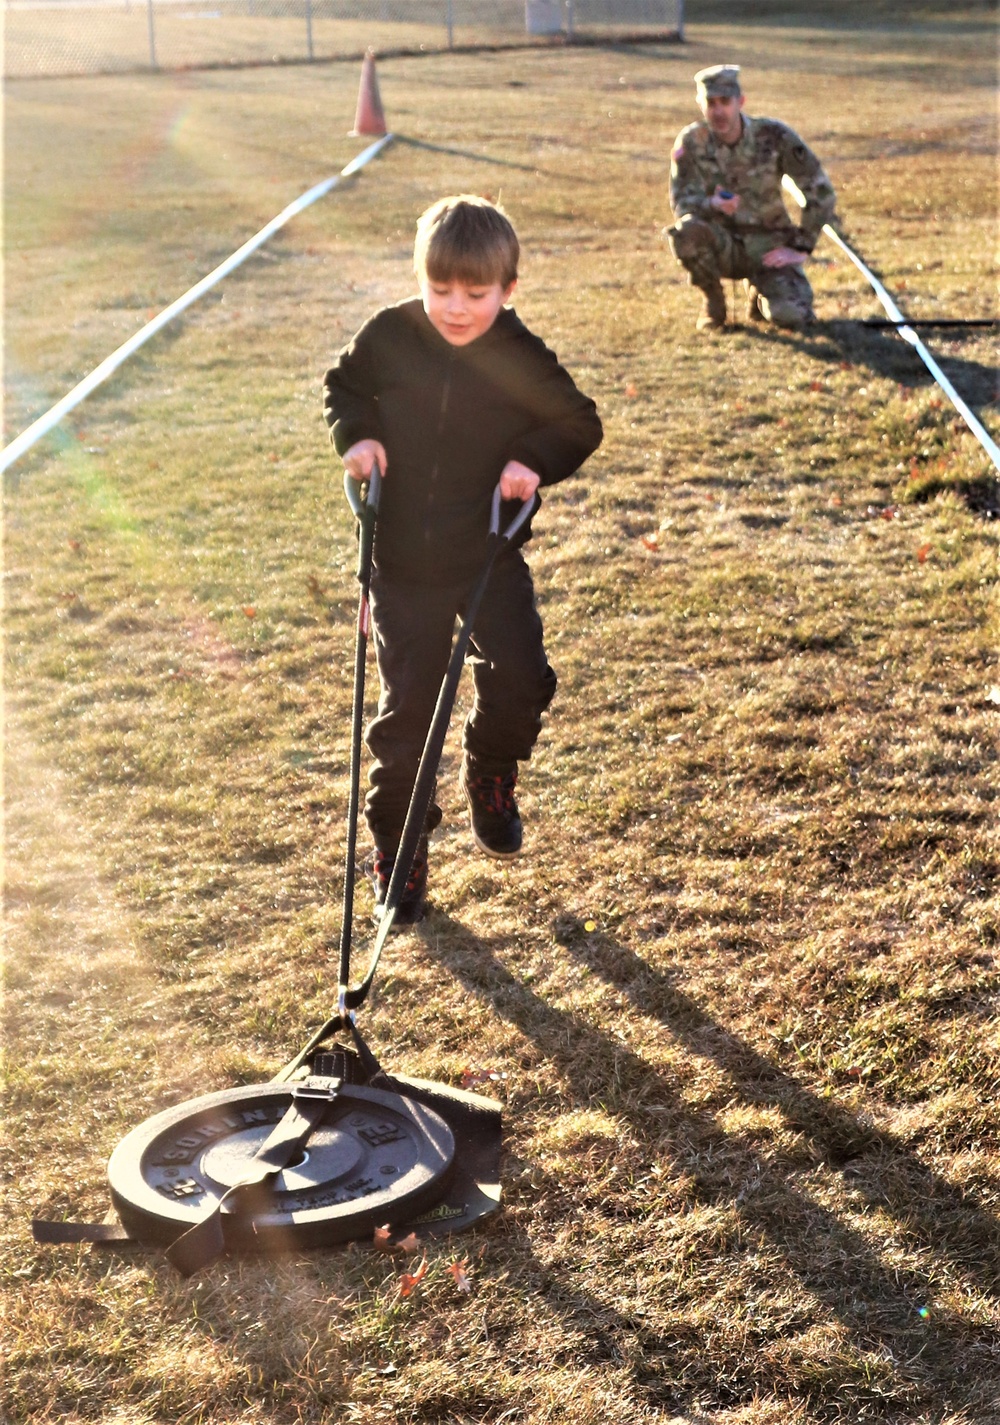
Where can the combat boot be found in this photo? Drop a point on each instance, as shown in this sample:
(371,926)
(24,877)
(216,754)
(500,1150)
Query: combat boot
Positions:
(785,313)
(714,315)
(754,313)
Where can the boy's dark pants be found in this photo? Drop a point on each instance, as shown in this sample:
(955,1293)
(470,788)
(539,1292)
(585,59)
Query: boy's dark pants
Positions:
(414,625)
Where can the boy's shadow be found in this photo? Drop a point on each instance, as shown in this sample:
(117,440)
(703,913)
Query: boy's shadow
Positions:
(881,1306)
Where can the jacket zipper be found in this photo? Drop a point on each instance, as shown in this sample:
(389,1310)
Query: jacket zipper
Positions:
(432,483)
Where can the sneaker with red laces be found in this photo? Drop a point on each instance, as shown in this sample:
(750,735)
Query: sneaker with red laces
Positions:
(412,903)
(496,822)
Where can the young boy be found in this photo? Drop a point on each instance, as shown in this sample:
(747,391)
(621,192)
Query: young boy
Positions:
(452,395)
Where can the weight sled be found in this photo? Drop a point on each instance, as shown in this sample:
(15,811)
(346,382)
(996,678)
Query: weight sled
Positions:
(333,1147)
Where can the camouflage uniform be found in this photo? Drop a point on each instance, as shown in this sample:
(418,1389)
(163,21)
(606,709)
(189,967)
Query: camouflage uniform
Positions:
(711,245)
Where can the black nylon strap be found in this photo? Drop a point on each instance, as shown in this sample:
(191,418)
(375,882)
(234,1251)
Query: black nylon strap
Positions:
(62,1233)
(366,511)
(423,786)
(205,1241)
(332,1025)
(420,797)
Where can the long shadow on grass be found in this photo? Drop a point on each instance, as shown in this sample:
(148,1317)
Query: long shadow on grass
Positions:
(875,1163)
(886,354)
(834,1263)
(498,162)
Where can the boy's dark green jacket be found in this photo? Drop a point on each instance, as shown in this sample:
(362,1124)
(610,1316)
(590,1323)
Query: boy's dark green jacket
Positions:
(450,417)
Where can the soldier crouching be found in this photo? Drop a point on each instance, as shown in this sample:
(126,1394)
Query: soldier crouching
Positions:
(731,219)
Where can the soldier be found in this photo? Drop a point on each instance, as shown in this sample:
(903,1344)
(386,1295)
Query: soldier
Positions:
(731,220)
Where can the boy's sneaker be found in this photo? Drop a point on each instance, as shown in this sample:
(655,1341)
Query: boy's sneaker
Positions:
(496,823)
(412,903)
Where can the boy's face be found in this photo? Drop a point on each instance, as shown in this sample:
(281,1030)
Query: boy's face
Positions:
(462,311)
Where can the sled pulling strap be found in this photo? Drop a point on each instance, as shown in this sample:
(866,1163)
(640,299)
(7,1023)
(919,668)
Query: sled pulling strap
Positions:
(206,1240)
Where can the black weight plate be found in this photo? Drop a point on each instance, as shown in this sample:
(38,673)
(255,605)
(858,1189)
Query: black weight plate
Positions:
(375,1158)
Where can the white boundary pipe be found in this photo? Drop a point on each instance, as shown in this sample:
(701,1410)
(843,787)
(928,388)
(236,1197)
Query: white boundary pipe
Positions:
(908,334)
(22,443)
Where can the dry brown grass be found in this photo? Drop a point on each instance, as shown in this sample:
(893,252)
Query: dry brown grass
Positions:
(744,983)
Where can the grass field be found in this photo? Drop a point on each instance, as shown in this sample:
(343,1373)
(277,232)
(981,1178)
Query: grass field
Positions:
(740,994)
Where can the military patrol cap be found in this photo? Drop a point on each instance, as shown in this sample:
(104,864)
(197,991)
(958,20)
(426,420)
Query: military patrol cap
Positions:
(718,81)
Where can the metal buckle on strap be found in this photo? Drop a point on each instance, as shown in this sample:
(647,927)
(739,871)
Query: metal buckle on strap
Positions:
(321,1086)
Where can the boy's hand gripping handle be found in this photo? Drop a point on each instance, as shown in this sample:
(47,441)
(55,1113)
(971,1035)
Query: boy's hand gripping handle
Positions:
(365,510)
(352,489)
(520,519)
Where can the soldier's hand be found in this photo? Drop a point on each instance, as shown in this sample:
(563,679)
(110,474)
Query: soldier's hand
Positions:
(783,257)
(722,204)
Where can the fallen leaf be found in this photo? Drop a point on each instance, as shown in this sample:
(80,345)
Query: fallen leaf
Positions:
(249,610)
(630,390)
(650,542)
(458,1271)
(923,552)
(409,1280)
(481,1076)
(382,1238)
(409,1244)
(75,544)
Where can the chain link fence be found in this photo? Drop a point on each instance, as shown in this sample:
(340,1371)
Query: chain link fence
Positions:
(61,37)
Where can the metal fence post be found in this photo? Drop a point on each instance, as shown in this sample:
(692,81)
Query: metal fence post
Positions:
(309,28)
(152,34)
(451,24)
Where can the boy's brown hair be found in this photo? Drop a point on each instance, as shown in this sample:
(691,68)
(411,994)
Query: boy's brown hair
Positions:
(466,239)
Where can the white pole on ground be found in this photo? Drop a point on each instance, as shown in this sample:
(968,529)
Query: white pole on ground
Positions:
(22,443)
(908,334)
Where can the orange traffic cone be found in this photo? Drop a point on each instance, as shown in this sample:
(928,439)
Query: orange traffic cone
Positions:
(369,118)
